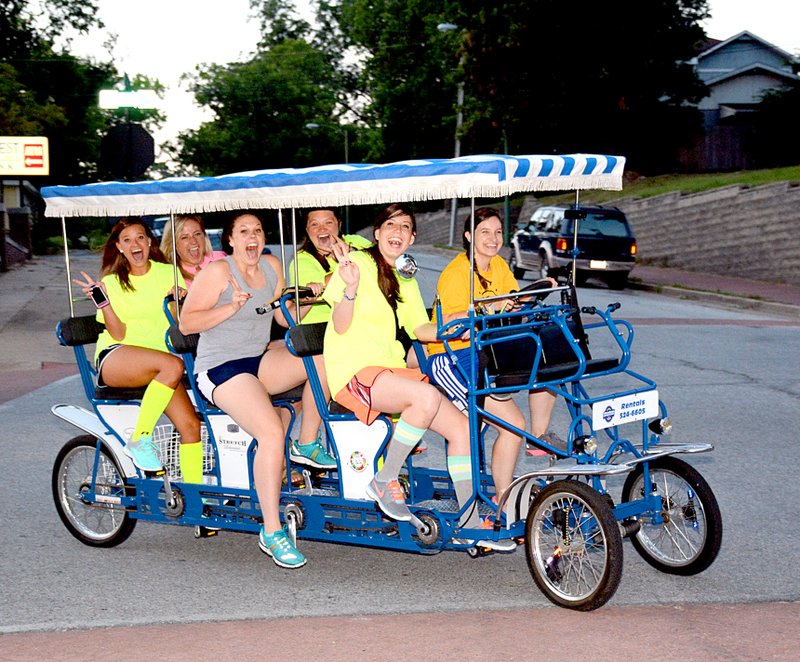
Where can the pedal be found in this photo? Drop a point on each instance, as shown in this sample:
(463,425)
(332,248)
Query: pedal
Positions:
(205,531)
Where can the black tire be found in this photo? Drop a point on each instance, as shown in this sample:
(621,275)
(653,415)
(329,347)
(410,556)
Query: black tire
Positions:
(573,546)
(94,524)
(688,539)
(617,280)
(518,272)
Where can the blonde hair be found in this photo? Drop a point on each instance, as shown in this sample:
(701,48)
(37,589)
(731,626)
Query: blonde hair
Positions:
(167,242)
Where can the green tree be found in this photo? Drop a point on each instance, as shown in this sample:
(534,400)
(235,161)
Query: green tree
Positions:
(773,144)
(48,92)
(406,74)
(261,108)
(541,75)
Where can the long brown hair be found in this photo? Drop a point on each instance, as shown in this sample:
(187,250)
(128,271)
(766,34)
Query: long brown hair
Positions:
(114,262)
(308,245)
(481,214)
(387,278)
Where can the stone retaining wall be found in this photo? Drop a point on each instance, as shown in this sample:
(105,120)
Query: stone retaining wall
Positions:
(732,231)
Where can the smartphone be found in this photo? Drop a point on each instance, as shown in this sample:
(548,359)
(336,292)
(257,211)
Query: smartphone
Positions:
(99,297)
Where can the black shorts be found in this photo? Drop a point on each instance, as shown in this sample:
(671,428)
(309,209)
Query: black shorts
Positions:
(102,356)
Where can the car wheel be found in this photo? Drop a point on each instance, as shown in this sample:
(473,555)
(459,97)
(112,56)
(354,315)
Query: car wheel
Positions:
(544,267)
(518,271)
(618,280)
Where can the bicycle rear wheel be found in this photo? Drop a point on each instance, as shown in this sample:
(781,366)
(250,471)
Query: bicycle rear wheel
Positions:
(102,521)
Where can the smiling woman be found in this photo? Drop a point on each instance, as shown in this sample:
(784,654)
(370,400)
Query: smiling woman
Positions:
(192,248)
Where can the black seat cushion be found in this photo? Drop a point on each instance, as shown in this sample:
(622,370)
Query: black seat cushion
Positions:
(511,363)
(559,372)
(116,393)
(76,331)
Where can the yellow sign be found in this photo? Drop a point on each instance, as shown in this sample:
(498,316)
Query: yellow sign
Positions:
(24,155)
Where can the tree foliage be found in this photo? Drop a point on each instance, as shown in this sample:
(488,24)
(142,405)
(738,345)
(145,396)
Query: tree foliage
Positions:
(773,145)
(51,93)
(540,75)
(261,108)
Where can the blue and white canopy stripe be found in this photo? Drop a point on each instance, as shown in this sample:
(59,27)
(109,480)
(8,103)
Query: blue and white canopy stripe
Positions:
(482,176)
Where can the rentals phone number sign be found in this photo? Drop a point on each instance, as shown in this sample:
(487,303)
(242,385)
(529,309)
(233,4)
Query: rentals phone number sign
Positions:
(24,155)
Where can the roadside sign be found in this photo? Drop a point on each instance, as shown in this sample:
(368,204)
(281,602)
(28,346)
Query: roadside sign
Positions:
(24,155)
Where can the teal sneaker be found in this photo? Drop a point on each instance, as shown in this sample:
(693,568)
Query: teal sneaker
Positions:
(312,455)
(280,548)
(144,454)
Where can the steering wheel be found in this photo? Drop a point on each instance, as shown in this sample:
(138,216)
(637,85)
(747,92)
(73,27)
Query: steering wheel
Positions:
(528,303)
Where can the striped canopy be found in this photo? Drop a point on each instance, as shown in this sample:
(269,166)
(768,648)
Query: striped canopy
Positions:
(483,176)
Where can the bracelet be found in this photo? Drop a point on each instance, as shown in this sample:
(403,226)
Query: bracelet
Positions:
(352,298)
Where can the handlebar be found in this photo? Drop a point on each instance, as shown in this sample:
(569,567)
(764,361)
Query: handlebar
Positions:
(306,295)
(591,310)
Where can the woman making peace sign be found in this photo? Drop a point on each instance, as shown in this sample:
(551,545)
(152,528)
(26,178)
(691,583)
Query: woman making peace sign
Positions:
(237,373)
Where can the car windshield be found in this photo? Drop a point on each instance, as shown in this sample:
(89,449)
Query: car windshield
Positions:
(608,225)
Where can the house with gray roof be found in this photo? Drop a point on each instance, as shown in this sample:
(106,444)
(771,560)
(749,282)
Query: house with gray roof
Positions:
(737,73)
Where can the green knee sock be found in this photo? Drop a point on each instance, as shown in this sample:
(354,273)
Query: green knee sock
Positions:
(154,402)
(191,459)
(403,441)
(460,468)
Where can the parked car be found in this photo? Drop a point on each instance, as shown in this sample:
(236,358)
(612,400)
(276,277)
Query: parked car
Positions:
(215,237)
(606,244)
(157,225)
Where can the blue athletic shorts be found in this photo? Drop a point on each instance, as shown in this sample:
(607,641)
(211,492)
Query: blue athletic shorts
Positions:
(442,371)
(208,380)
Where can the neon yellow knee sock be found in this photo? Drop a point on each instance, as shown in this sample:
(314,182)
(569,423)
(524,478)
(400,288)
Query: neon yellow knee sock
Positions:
(154,402)
(191,459)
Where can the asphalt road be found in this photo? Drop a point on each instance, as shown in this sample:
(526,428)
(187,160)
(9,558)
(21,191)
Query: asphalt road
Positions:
(728,377)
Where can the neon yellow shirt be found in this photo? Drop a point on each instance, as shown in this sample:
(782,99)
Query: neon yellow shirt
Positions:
(371,339)
(309,270)
(453,290)
(141,310)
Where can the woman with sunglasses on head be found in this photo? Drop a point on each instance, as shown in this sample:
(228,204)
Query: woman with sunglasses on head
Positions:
(237,372)
(192,247)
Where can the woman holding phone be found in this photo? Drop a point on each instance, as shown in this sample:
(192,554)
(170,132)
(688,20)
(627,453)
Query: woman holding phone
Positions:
(131,352)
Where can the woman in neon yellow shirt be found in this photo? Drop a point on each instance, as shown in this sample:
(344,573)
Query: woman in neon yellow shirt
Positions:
(315,261)
(131,352)
(365,362)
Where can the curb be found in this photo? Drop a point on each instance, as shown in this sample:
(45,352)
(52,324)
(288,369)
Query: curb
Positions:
(744,303)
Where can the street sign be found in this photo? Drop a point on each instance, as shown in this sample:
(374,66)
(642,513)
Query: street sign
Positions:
(24,155)
(126,151)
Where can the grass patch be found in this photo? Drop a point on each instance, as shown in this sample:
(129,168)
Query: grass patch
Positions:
(646,187)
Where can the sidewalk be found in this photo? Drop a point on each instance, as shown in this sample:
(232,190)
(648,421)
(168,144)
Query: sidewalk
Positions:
(778,298)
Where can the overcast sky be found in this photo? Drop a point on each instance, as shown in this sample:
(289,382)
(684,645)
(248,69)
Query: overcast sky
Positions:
(165,38)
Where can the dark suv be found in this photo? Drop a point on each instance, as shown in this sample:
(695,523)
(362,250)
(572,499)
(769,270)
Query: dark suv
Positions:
(606,245)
